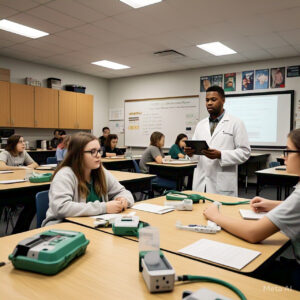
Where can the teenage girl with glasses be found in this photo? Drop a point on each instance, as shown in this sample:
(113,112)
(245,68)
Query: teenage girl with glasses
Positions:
(281,216)
(81,186)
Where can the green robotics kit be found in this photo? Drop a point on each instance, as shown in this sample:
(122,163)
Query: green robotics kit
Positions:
(48,252)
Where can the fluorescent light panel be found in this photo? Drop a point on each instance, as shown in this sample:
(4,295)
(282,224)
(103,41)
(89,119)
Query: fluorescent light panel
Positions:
(216,49)
(21,29)
(139,3)
(110,65)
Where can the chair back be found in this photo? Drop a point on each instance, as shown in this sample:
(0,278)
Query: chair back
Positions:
(42,205)
(273,164)
(51,160)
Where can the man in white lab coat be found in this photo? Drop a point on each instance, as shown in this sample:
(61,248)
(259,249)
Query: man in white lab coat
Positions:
(227,139)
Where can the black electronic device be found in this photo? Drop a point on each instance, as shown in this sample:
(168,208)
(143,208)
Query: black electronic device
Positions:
(197,145)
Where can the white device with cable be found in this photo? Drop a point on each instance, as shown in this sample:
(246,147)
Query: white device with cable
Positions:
(185,204)
(211,227)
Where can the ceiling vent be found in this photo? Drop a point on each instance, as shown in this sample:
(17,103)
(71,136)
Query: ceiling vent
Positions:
(172,54)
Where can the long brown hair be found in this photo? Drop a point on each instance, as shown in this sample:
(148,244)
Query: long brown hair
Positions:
(294,135)
(74,160)
(109,138)
(155,138)
(12,143)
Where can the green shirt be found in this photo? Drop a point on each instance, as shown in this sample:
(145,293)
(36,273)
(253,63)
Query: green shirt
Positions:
(175,150)
(92,196)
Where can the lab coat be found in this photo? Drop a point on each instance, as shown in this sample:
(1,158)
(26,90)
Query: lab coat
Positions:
(220,176)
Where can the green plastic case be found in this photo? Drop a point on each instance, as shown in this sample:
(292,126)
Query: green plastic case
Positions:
(44,177)
(49,252)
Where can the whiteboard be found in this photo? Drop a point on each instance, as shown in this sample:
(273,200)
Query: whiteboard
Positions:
(171,116)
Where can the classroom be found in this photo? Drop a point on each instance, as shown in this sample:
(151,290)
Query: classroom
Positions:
(145,139)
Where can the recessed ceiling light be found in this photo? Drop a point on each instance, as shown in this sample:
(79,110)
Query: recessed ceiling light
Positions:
(110,65)
(140,3)
(216,48)
(21,29)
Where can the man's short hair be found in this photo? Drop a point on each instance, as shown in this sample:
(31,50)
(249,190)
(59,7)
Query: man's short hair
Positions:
(104,128)
(56,130)
(217,89)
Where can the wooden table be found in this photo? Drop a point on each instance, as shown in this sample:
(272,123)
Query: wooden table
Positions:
(256,158)
(279,178)
(173,239)
(119,163)
(176,172)
(109,270)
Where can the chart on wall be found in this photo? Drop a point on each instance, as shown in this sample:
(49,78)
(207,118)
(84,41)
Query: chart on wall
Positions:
(171,116)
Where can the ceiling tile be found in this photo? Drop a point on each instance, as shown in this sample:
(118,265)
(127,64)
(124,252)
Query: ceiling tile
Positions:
(20,5)
(107,7)
(257,54)
(6,43)
(55,17)
(120,28)
(291,36)
(76,10)
(13,37)
(37,23)
(63,42)
(270,40)
(6,12)
(284,51)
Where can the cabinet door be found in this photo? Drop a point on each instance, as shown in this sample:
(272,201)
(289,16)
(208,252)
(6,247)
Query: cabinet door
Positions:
(46,108)
(22,105)
(67,110)
(85,111)
(5,104)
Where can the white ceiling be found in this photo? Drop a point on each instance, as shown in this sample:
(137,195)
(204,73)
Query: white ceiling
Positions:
(84,31)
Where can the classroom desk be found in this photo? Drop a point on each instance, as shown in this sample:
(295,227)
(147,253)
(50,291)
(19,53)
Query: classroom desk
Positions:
(117,163)
(172,239)
(176,172)
(40,156)
(109,270)
(135,182)
(276,177)
(256,158)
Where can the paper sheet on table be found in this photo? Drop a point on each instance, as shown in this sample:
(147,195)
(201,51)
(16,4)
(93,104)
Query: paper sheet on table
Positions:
(249,214)
(153,208)
(5,172)
(178,162)
(224,254)
(47,167)
(12,181)
(110,217)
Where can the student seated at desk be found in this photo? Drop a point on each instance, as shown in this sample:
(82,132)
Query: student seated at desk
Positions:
(81,186)
(176,151)
(62,148)
(110,146)
(281,216)
(15,155)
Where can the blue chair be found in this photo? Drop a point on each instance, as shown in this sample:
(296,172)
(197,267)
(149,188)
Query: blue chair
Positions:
(42,205)
(273,164)
(51,160)
(136,166)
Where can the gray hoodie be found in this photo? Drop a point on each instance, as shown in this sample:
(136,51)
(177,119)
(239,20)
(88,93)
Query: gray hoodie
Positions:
(64,199)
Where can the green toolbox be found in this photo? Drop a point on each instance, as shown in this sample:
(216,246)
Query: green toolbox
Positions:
(49,252)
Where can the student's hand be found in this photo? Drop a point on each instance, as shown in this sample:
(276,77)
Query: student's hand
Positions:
(114,207)
(212,153)
(123,201)
(259,204)
(211,212)
(189,151)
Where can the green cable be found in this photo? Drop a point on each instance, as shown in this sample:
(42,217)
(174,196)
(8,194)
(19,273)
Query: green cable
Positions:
(199,197)
(214,280)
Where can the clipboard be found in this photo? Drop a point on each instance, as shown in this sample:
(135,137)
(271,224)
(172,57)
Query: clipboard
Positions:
(198,146)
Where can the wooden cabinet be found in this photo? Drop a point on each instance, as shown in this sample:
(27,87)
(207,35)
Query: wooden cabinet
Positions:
(4,104)
(22,105)
(75,110)
(46,108)
(85,105)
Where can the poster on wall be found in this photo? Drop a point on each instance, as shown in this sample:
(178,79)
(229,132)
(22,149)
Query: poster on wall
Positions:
(229,82)
(247,80)
(293,71)
(205,83)
(261,79)
(278,77)
(217,80)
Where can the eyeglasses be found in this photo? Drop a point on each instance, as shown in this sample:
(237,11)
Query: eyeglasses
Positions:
(286,152)
(94,152)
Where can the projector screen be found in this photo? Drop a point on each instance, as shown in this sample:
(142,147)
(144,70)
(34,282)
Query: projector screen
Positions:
(268,117)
